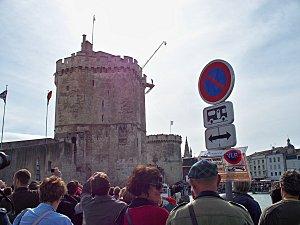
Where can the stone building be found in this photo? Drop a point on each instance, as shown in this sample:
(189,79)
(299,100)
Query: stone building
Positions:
(271,164)
(165,152)
(100,119)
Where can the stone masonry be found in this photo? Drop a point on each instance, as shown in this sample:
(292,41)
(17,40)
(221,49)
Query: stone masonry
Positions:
(100,122)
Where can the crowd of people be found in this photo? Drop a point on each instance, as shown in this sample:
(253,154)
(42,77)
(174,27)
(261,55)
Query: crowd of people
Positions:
(96,202)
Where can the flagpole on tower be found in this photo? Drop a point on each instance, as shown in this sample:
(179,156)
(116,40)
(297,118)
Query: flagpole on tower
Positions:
(49,95)
(3,96)
(171,123)
(94,19)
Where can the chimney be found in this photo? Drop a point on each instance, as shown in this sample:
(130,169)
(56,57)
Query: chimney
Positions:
(83,38)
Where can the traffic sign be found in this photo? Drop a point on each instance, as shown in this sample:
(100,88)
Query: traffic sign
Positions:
(233,156)
(220,137)
(216,81)
(217,115)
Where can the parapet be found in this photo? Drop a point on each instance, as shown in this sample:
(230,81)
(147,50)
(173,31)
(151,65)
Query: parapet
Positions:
(164,138)
(102,61)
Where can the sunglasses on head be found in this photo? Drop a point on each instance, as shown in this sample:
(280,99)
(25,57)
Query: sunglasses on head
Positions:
(158,185)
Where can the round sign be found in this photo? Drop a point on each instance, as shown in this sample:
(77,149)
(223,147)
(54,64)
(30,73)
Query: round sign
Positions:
(216,81)
(233,156)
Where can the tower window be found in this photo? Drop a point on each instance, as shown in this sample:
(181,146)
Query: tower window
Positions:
(102,118)
(67,88)
(107,92)
(102,103)
(93,83)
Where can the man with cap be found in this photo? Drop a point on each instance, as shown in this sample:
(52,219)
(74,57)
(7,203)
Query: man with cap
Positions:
(208,208)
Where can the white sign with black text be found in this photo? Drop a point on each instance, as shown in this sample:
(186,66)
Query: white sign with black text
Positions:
(220,137)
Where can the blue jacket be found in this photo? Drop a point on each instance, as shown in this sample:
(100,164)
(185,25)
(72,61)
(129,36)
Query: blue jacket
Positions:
(250,204)
(53,218)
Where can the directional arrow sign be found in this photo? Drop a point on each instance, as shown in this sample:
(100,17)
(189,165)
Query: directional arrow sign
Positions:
(220,137)
(217,115)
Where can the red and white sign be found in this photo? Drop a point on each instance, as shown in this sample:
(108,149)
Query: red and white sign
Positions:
(216,81)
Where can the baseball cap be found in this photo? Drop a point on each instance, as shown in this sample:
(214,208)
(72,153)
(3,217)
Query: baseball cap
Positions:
(203,169)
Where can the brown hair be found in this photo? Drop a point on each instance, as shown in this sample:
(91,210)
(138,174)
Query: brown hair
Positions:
(141,178)
(7,191)
(241,186)
(23,175)
(100,184)
(72,187)
(52,189)
(290,182)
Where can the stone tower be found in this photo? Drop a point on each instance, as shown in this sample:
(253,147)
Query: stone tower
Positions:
(165,151)
(100,108)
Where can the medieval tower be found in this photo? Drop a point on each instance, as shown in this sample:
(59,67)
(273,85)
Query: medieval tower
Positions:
(100,124)
(100,108)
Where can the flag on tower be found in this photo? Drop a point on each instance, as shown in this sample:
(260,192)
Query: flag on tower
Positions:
(3,95)
(94,18)
(49,95)
(172,122)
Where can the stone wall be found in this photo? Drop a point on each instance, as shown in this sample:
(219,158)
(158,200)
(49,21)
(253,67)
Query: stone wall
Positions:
(165,151)
(41,153)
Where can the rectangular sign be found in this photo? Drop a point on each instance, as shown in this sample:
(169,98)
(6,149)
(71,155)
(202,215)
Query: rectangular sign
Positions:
(220,137)
(232,163)
(217,115)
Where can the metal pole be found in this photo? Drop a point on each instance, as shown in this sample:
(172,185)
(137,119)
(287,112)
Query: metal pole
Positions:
(165,43)
(93,29)
(3,120)
(228,190)
(47,116)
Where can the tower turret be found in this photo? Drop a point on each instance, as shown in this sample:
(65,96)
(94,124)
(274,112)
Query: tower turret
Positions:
(100,108)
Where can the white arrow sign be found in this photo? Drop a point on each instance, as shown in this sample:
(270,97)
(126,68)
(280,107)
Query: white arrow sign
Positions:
(220,137)
(217,115)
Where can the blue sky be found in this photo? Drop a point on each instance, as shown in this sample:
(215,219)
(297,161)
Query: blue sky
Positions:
(260,39)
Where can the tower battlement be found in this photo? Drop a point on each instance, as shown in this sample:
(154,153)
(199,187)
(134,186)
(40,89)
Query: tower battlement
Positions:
(163,138)
(99,61)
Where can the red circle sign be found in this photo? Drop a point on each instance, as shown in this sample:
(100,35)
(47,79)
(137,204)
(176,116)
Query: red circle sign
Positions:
(233,156)
(216,81)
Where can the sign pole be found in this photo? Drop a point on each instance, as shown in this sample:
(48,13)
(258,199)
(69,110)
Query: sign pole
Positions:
(228,190)
(3,120)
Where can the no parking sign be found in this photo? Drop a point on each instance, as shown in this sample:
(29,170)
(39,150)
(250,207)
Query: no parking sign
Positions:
(216,81)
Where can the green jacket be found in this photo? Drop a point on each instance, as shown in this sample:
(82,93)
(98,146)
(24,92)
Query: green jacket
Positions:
(210,210)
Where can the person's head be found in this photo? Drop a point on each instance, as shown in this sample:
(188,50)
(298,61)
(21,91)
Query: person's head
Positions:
(34,185)
(111,191)
(7,191)
(117,192)
(146,182)
(2,184)
(72,187)
(100,184)
(52,189)
(56,172)
(126,196)
(276,195)
(290,184)
(241,186)
(21,178)
(203,176)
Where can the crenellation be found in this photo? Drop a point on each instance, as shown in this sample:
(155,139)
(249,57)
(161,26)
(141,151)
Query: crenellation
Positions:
(163,138)
(99,59)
